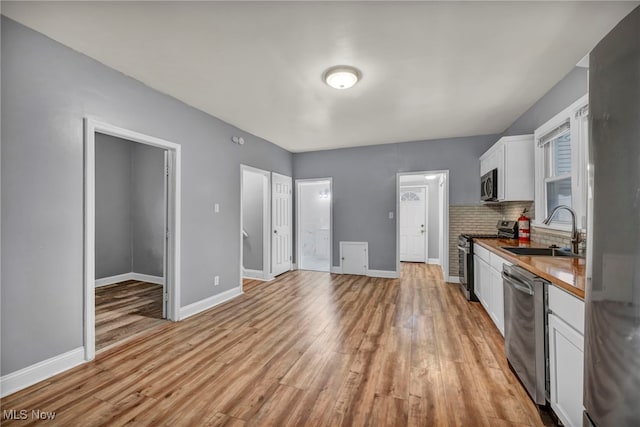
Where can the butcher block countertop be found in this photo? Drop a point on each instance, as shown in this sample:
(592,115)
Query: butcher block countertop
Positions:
(566,273)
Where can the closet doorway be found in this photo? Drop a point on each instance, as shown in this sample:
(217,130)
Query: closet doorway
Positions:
(132,234)
(314,221)
(255,223)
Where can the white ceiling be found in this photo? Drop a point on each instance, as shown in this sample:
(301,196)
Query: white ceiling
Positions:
(430,69)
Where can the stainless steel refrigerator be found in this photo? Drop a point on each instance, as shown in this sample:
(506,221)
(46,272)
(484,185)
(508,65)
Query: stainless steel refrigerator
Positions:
(612,329)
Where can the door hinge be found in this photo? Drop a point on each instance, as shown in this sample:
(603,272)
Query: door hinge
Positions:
(166,170)
(167,233)
(289,257)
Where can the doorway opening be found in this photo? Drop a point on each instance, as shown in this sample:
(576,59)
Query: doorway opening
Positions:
(313,220)
(132,234)
(255,214)
(422,225)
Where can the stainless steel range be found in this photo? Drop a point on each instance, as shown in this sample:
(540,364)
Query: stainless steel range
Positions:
(505,230)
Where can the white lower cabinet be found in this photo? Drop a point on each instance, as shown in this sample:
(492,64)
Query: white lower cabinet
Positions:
(488,286)
(566,356)
(497,299)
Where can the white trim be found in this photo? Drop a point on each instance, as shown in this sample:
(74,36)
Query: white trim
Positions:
(444,214)
(294,266)
(453,279)
(40,371)
(336,270)
(387,274)
(266,224)
(91,127)
(435,261)
(207,303)
(298,183)
(253,274)
(158,280)
(105,281)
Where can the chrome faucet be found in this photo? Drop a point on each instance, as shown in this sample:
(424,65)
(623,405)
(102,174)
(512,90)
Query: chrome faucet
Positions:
(575,236)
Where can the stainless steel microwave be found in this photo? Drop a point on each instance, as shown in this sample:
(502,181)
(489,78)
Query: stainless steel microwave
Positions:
(489,186)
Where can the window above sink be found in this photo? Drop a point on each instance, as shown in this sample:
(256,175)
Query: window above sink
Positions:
(561,147)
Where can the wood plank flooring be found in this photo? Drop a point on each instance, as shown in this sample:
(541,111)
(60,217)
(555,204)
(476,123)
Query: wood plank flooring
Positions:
(125,309)
(308,348)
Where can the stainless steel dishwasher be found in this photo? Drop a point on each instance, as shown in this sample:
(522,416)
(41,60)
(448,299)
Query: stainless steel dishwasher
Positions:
(524,329)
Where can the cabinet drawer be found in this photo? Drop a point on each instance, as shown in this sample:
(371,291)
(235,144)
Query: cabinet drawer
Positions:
(567,307)
(496,262)
(482,253)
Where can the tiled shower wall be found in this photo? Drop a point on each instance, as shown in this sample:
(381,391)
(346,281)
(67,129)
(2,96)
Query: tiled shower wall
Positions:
(483,219)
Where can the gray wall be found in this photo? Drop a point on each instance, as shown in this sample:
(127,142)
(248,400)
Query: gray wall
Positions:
(364,186)
(252,221)
(113,206)
(147,209)
(47,91)
(560,96)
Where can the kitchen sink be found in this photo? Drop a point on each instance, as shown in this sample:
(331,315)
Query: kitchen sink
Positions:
(541,252)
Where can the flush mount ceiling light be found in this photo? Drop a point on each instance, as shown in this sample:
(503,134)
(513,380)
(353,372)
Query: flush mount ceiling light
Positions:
(342,76)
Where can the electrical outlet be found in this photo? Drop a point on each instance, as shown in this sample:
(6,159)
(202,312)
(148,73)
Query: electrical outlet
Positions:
(216,281)
(390,214)
(216,208)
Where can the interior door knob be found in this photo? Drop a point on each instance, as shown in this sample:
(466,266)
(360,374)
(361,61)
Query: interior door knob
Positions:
(275,231)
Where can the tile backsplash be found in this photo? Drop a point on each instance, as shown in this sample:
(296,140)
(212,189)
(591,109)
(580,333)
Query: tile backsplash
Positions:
(483,219)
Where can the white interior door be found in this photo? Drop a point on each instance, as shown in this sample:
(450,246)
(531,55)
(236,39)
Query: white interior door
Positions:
(280,224)
(413,224)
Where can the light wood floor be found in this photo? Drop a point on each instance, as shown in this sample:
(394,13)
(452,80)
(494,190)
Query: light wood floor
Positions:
(125,309)
(306,349)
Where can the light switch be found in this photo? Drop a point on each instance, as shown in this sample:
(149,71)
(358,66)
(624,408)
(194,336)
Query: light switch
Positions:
(390,214)
(216,208)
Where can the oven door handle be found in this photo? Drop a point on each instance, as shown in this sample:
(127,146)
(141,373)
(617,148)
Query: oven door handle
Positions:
(517,285)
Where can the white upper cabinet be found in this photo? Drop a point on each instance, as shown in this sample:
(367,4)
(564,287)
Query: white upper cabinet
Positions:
(514,159)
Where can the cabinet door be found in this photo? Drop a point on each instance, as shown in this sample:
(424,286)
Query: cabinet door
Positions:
(497,299)
(566,354)
(477,280)
(485,283)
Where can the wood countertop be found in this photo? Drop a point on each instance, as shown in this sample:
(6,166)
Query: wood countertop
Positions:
(566,273)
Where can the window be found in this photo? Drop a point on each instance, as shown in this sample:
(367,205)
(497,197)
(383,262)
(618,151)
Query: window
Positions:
(561,148)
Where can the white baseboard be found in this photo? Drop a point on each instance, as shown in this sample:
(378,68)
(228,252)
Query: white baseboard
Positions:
(453,279)
(294,266)
(336,270)
(112,279)
(387,274)
(40,371)
(129,276)
(253,274)
(210,302)
(148,278)
(433,261)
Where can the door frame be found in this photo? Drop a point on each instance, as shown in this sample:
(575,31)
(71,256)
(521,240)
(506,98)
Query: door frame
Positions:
(266,222)
(172,261)
(298,184)
(444,212)
(426,217)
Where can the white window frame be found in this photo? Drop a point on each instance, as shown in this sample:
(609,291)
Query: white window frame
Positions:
(579,128)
